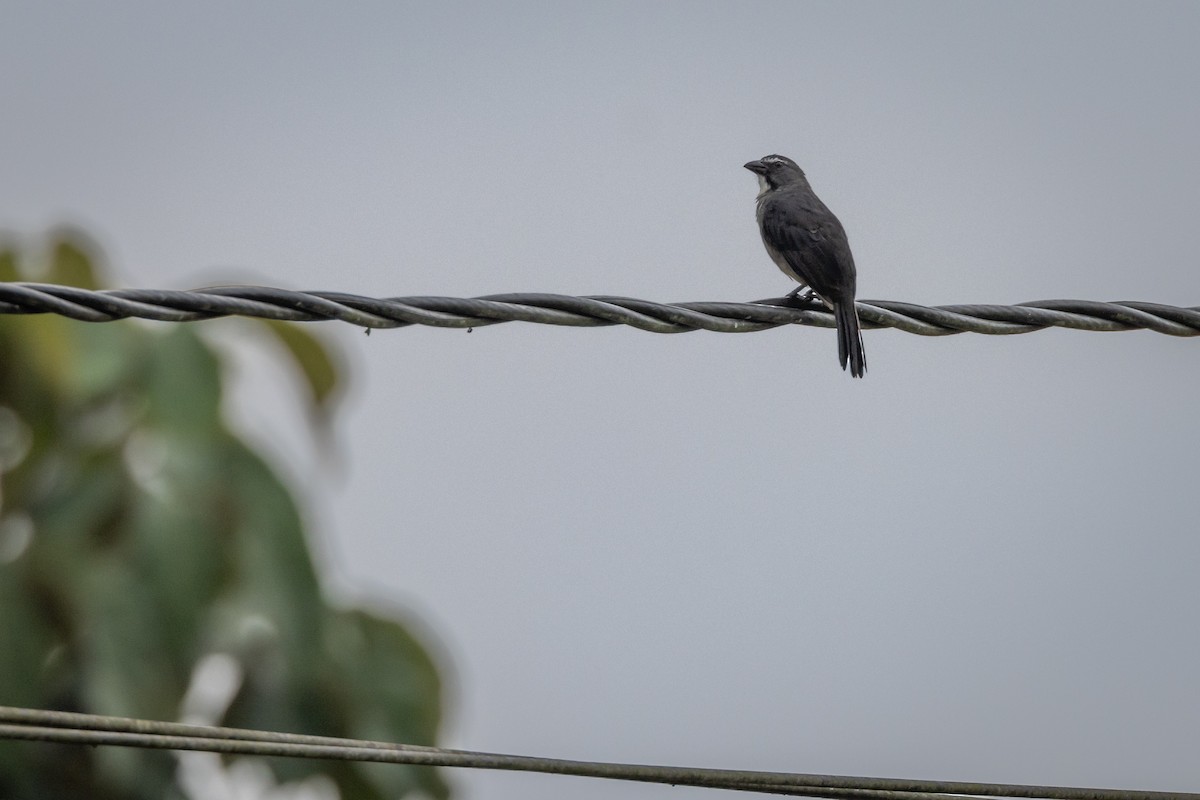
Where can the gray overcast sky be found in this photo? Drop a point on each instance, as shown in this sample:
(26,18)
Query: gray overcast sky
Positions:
(977,563)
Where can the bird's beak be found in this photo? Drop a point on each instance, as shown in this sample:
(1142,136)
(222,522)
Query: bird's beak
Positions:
(757,167)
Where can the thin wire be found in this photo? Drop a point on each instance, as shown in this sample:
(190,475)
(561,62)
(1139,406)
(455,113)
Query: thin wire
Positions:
(38,725)
(594,311)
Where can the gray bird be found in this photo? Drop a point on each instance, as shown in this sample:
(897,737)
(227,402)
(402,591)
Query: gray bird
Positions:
(808,243)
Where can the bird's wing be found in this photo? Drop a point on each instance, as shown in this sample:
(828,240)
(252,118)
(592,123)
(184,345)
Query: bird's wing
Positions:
(813,242)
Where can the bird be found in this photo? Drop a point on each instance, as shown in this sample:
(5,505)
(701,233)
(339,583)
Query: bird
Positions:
(808,243)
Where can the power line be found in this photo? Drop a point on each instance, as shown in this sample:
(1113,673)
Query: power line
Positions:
(592,311)
(58,726)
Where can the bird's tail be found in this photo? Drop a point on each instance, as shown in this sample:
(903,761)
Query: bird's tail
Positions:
(850,343)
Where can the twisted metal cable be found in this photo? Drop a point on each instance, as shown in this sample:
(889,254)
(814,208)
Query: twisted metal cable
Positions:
(68,727)
(593,311)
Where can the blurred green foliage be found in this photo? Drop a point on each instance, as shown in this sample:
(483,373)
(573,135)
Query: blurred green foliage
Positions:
(138,535)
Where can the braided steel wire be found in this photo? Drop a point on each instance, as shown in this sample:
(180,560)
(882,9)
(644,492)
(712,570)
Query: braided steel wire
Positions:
(68,727)
(592,311)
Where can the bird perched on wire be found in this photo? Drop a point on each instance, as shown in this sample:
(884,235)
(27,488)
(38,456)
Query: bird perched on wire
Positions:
(808,243)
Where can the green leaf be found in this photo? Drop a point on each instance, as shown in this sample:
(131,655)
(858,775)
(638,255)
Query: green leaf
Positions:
(152,537)
(71,262)
(395,697)
(312,357)
(9,270)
